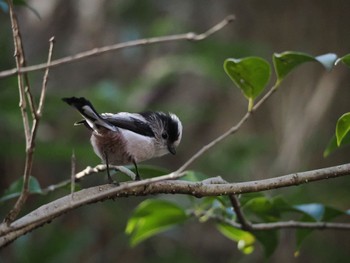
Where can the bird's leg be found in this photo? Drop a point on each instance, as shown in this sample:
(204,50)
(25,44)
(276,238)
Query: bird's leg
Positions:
(110,180)
(138,177)
(107,167)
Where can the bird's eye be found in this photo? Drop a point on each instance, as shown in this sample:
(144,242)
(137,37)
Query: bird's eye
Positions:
(164,135)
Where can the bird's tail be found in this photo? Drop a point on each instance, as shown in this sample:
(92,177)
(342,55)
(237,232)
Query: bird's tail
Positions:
(92,118)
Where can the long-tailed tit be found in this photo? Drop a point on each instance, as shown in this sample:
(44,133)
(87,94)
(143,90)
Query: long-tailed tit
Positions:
(125,138)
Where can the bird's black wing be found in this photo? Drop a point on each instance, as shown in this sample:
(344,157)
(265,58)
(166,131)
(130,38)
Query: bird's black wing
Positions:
(131,124)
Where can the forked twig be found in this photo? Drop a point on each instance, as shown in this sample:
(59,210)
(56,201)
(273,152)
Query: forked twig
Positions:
(31,143)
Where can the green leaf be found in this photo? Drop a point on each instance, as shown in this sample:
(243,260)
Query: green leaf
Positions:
(245,240)
(263,208)
(209,207)
(313,213)
(194,176)
(245,198)
(319,212)
(342,127)
(332,145)
(152,217)
(345,60)
(285,62)
(268,239)
(15,188)
(250,74)
(302,234)
(330,213)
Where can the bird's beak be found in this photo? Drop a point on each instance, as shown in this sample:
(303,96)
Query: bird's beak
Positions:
(172,149)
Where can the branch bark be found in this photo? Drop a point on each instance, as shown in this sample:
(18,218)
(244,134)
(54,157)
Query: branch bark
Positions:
(212,187)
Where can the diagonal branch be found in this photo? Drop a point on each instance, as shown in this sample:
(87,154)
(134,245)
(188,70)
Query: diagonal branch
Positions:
(223,136)
(115,47)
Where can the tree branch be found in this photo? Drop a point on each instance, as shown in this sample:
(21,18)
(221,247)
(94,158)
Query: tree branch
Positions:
(223,136)
(86,172)
(245,224)
(215,187)
(31,146)
(284,225)
(20,62)
(140,42)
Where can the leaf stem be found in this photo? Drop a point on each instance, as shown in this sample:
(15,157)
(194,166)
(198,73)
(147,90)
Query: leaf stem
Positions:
(250,104)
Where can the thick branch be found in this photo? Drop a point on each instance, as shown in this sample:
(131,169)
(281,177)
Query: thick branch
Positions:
(115,47)
(48,212)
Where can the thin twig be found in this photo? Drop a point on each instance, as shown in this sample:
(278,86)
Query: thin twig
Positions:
(88,171)
(285,224)
(45,79)
(19,57)
(21,63)
(115,47)
(72,178)
(236,205)
(229,132)
(30,148)
(246,225)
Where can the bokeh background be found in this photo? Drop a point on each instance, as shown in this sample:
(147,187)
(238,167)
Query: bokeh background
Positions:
(288,134)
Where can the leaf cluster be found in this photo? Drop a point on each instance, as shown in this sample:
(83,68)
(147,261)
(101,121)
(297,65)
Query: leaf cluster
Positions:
(155,216)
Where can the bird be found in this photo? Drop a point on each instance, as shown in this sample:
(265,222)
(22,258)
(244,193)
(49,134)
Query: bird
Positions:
(128,138)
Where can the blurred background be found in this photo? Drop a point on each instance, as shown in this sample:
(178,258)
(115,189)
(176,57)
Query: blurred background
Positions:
(288,134)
